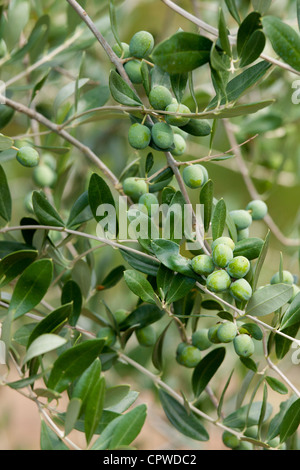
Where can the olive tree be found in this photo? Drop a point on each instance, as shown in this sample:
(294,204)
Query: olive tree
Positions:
(126,248)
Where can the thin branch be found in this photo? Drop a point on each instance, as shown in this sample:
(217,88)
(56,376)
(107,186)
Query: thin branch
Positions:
(252,190)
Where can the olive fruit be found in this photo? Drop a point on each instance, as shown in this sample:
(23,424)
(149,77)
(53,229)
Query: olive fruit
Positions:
(224,241)
(162,135)
(28,156)
(243,234)
(227,332)
(121,52)
(178,121)
(193,176)
(241,290)
(218,281)
(141,44)
(49,160)
(139,136)
(243,345)
(258,209)
(238,267)
(120,315)
(108,334)
(160,97)
(241,218)
(200,339)
(197,127)
(135,187)
(203,265)
(287,278)
(149,200)
(213,334)
(133,70)
(222,255)
(180,145)
(146,336)
(44,176)
(230,440)
(187,355)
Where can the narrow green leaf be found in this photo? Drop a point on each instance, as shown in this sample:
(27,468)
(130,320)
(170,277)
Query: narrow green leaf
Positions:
(71,293)
(80,211)
(112,278)
(206,198)
(242,416)
(261,5)
(142,316)
(129,427)
(179,287)
(157,353)
(146,81)
(45,212)
(223,33)
(5,197)
(14,264)
(274,427)
(206,369)
(167,252)
(66,92)
(114,395)
(218,219)
(121,91)
(140,263)
(31,287)
(250,248)
(43,344)
(282,344)
(276,385)
(94,408)
(140,286)
(179,83)
(269,299)
(99,194)
(291,421)
(249,363)
(253,330)
(164,279)
(221,401)
(253,48)
(86,382)
(51,323)
(232,8)
(73,362)
(250,24)
(72,414)
(187,424)
(292,315)
(113,22)
(182,52)
(284,39)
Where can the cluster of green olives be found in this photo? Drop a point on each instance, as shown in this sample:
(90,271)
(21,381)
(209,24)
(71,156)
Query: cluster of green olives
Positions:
(189,355)
(170,131)
(243,218)
(223,271)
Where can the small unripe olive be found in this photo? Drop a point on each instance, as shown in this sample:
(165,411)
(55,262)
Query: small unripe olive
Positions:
(198,127)
(28,156)
(193,176)
(139,136)
(213,334)
(275,442)
(178,130)
(49,160)
(135,187)
(146,336)
(120,315)
(205,173)
(44,176)
(188,355)
(224,241)
(180,145)
(241,290)
(242,219)
(287,278)
(162,135)
(252,431)
(124,52)
(108,334)
(150,201)
(160,97)
(221,255)
(245,445)
(178,121)
(227,332)
(230,440)
(218,281)
(203,265)
(200,339)
(238,267)
(258,209)
(243,345)
(141,44)
(133,70)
